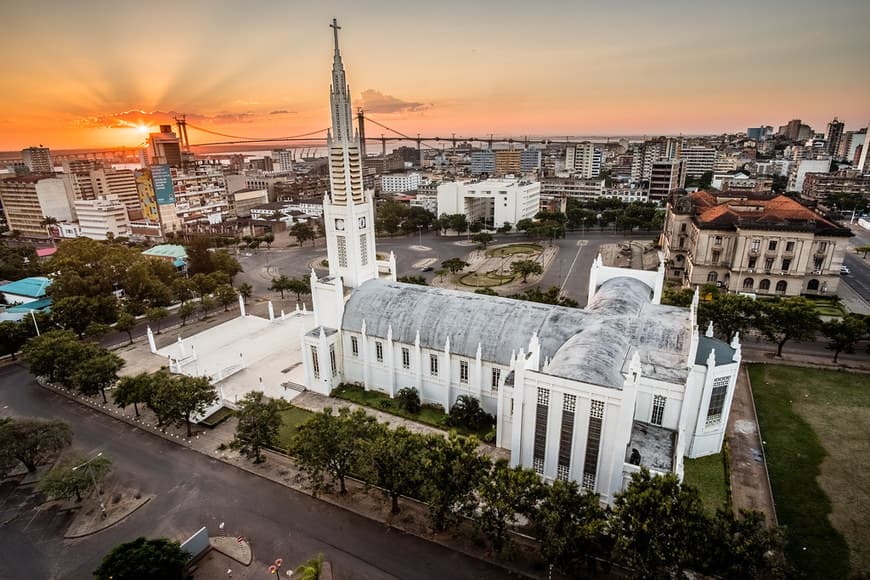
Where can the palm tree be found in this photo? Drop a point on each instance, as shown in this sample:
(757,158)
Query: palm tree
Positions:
(245,290)
(47,222)
(310,570)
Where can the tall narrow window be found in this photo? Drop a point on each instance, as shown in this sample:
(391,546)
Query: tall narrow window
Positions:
(496,377)
(756,245)
(658,410)
(717,400)
(463,371)
(433,365)
(566,436)
(406,358)
(379,351)
(315,364)
(364,249)
(540,443)
(332,364)
(772,245)
(789,246)
(342,251)
(354,346)
(593,443)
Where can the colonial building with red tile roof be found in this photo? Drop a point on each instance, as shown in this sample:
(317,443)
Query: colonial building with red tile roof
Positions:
(759,244)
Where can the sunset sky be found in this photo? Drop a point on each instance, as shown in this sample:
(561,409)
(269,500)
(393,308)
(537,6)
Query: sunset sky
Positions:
(91,73)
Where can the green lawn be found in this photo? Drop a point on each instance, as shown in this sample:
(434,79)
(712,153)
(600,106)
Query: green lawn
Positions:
(428,415)
(814,424)
(292,417)
(707,475)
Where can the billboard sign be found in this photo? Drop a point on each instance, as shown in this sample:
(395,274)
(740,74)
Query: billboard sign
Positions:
(161,177)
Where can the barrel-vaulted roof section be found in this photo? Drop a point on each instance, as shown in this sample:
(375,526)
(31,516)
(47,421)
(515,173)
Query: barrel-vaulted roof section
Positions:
(499,325)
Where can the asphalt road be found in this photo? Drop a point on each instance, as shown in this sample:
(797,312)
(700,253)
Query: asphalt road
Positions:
(193,490)
(859,277)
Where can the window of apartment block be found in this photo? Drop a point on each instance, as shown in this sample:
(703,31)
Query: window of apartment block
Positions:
(789,246)
(540,442)
(823,246)
(717,400)
(315,364)
(496,376)
(748,283)
(786,265)
(463,371)
(379,351)
(433,365)
(752,262)
(756,245)
(354,346)
(332,364)
(768,264)
(817,264)
(715,256)
(593,443)
(658,410)
(406,358)
(771,246)
(717,240)
(683,228)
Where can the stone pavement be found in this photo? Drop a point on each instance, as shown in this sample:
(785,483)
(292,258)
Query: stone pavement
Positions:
(750,486)
(852,301)
(479,262)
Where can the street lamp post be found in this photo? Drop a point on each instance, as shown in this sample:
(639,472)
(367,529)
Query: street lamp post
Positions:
(94,481)
(420,233)
(276,567)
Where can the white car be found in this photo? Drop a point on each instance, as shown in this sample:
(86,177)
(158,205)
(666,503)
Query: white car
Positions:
(845,270)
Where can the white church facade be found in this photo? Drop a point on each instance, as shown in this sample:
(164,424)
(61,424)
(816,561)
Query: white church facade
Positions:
(585,394)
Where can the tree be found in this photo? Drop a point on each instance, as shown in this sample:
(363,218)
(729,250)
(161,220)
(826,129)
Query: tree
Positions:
(418,280)
(486,291)
(788,319)
(298,285)
(483,238)
(222,261)
(268,238)
(141,558)
(441,273)
(225,295)
(571,527)
(177,398)
(203,284)
(394,464)
(743,546)
(77,312)
(310,570)
(13,335)
(506,493)
(466,412)
(259,423)
(182,289)
(730,313)
(54,355)
(302,232)
(133,390)
(525,225)
(280,284)
(187,310)
(245,291)
(88,268)
(526,267)
(47,222)
(409,400)
(453,469)
(329,444)
(126,323)
(34,442)
(864,250)
(97,372)
(156,315)
(553,295)
(844,333)
(454,264)
(18,262)
(658,524)
(66,482)
(206,305)
(199,258)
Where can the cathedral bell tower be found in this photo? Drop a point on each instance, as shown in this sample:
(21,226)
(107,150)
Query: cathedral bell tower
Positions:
(348,210)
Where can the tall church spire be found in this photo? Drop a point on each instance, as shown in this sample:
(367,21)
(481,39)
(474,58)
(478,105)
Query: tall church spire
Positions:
(348,211)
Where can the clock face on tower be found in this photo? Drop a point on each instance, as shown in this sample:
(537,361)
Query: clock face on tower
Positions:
(362,223)
(339,224)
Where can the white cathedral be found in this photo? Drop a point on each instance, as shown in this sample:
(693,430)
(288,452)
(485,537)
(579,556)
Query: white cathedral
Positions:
(585,394)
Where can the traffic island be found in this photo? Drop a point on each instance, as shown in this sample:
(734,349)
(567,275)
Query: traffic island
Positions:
(118,503)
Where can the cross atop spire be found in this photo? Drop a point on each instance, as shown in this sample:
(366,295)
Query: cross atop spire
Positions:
(335,28)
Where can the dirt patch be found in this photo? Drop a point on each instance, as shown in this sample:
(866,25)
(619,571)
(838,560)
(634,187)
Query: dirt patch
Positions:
(119,502)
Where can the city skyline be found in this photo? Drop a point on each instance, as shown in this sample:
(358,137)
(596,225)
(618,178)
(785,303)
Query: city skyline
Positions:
(103,75)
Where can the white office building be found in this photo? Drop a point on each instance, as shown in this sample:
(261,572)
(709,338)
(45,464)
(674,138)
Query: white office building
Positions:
(102,216)
(492,201)
(400,182)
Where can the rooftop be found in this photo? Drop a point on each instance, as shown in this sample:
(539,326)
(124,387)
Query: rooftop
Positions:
(30,287)
(167,251)
(654,444)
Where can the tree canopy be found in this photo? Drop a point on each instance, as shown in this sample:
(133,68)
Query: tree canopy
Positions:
(33,442)
(259,424)
(141,558)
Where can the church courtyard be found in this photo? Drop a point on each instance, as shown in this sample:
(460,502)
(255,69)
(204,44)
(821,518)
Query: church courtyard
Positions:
(814,426)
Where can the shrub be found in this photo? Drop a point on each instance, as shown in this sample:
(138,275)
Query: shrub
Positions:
(467,413)
(409,400)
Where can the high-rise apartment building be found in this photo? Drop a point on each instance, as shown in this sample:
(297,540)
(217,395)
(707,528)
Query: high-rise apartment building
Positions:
(833,136)
(863,165)
(507,162)
(102,218)
(583,160)
(27,200)
(282,160)
(530,160)
(37,159)
(493,201)
(644,154)
(666,176)
(818,186)
(699,159)
(165,147)
(800,169)
(120,183)
(483,162)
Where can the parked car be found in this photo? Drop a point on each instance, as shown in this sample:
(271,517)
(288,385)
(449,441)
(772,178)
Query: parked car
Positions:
(427,269)
(845,270)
